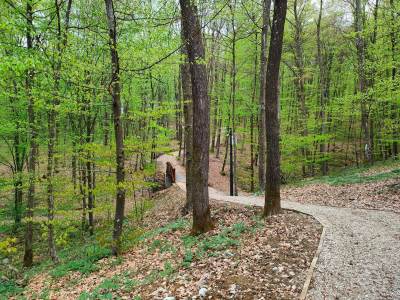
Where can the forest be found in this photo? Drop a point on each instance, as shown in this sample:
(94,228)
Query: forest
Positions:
(149,148)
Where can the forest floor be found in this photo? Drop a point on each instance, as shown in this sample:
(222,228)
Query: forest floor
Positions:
(244,257)
(360,248)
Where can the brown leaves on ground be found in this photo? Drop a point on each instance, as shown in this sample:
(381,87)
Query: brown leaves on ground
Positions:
(381,195)
(244,257)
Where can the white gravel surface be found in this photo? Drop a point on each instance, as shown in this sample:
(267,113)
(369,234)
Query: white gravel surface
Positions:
(360,256)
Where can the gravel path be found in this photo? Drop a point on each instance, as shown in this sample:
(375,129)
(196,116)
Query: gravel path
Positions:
(360,256)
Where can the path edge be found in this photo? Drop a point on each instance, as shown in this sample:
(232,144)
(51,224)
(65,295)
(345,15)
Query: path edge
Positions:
(311,269)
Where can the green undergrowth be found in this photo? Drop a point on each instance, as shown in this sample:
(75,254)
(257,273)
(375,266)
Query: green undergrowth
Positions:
(77,251)
(85,264)
(194,248)
(354,175)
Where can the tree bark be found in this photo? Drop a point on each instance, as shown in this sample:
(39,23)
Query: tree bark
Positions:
(394,108)
(261,117)
(272,191)
(299,80)
(201,124)
(252,117)
(323,92)
(233,98)
(115,91)
(90,170)
(188,134)
(362,80)
(28,254)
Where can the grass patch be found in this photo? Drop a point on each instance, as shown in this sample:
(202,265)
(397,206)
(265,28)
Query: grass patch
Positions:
(9,288)
(196,247)
(84,265)
(357,177)
(124,282)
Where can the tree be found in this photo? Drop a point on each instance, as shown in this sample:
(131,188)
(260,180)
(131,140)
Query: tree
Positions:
(261,118)
(272,191)
(28,255)
(61,42)
(362,79)
(188,119)
(201,123)
(115,91)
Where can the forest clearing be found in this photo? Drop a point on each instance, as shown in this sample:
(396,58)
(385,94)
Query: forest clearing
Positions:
(190,149)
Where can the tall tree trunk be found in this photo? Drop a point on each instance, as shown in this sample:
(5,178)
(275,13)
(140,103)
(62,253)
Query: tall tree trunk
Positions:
(115,91)
(201,124)
(89,171)
(218,141)
(179,126)
(252,120)
(215,111)
(299,80)
(50,188)
(188,134)
(261,117)
(322,92)
(394,108)
(52,124)
(272,191)
(28,254)
(219,115)
(362,80)
(106,128)
(82,175)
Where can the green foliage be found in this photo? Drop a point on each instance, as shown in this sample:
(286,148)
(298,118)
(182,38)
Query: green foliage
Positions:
(162,246)
(9,288)
(351,178)
(197,247)
(84,265)
(7,246)
(178,224)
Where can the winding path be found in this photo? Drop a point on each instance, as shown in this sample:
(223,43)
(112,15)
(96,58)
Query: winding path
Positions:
(360,254)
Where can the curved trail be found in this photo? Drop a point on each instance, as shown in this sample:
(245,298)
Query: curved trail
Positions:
(360,256)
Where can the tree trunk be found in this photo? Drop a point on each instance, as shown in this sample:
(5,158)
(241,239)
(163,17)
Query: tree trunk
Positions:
(115,91)
(28,255)
(323,92)
(394,108)
(299,80)
(218,141)
(362,81)
(106,128)
(188,134)
(253,105)
(90,171)
(201,124)
(272,191)
(261,117)
(233,98)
